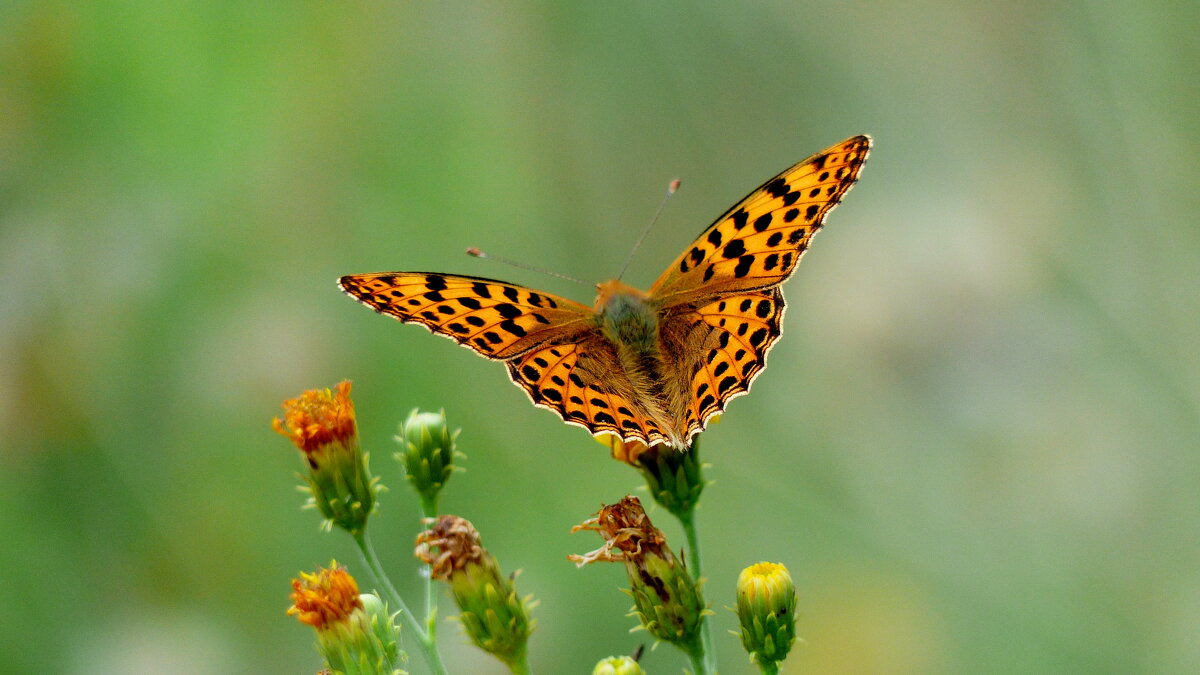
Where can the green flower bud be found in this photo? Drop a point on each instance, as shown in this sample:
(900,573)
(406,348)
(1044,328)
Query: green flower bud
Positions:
(673,476)
(355,633)
(493,616)
(322,426)
(666,598)
(618,665)
(766,609)
(428,454)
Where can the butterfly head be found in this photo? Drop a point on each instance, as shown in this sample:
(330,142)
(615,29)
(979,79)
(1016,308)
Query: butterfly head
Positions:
(608,291)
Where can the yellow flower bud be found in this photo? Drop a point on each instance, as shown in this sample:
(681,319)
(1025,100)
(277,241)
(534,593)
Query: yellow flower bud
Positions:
(766,608)
(618,665)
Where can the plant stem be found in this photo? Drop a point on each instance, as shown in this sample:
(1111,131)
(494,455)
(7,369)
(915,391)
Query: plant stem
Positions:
(520,666)
(698,665)
(771,668)
(367,551)
(707,657)
(429,508)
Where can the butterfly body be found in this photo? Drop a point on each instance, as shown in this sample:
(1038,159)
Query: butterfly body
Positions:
(652,366)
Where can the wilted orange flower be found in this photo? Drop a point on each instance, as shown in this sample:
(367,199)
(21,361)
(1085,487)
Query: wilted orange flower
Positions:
(492,614)
(325,598)
(624,526)
(449,545)
(317,418)
(666,598)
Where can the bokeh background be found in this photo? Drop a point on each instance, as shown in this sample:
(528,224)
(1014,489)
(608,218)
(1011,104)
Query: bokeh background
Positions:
(976,445)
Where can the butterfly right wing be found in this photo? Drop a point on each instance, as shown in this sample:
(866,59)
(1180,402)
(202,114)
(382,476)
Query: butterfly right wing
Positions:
(498,320)
(718,347)
(758,242)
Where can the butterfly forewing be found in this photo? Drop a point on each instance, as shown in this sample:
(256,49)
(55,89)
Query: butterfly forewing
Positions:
(757,243)
(496,319)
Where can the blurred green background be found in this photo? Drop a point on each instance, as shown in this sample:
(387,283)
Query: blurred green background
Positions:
(976,445)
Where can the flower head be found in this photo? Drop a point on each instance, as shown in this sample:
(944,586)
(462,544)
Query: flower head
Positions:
(766,609)
(318,418)
(495,619)
(354,632)
(428,454)
(321,424)
(618,665)
(667,599)
(325,598)
(622,451)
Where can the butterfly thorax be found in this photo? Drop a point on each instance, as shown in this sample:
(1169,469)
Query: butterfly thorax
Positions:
(627,317)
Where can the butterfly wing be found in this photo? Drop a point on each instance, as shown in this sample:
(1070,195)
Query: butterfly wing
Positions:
(554,349)
(757,243)
(720,301)
(718,348)
(581,379)
(496,319)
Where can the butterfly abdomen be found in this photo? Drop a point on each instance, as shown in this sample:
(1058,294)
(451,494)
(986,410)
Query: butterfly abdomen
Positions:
(631,323)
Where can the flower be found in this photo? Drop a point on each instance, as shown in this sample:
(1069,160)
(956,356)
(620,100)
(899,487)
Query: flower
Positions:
(495,619)
(766,609)
(622,451)
(355,634)
(618,665)
(322,426)
(666,598)
(428,454)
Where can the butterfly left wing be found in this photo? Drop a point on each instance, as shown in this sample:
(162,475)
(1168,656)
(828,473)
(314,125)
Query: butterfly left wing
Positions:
(757,243)
(581,379)
(498,320)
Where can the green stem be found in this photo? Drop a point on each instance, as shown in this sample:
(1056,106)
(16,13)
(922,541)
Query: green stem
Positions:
(769,668)
(430,508)
(706,661)
(520,666)
(697,658)
(367,551)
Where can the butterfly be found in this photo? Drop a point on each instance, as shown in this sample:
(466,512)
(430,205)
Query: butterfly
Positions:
(651,366)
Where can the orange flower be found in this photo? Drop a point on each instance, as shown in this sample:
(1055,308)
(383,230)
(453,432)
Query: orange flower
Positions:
(321,424)
(318,418)
(326,598)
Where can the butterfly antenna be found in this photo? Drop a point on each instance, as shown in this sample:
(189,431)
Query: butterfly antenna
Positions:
(480,254)
(671,188)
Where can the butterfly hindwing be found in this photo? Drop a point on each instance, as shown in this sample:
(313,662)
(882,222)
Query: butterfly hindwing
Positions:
(723,346)
(496,319)
(757,243)
(580,379)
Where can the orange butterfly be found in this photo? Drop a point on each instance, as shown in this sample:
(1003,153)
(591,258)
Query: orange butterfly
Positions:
(646,366)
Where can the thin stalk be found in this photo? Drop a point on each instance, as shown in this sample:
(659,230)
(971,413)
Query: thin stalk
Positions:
(771,668)
(697,659)
(708,655)
(367,551)
(520,667)
(429,508)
